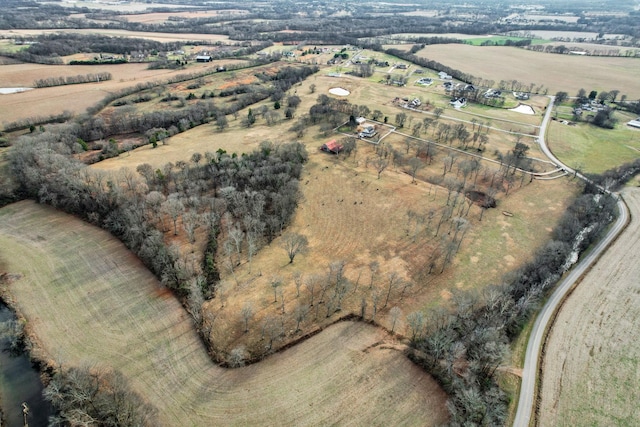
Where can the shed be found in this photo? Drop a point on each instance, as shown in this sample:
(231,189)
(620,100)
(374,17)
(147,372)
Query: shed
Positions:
(332,147)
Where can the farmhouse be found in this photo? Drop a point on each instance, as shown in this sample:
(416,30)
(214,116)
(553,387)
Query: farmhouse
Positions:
(367,131)
(458,102)
(203,58)
(332,147)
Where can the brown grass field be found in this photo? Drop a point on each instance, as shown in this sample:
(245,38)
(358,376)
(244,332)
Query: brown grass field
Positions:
(556,72)
(75,98)
(89,301)
(348,214)
(159,17)
(592,353)
(160,37)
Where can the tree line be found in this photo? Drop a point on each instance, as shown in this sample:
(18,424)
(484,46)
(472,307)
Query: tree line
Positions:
(70,80)
(463,346)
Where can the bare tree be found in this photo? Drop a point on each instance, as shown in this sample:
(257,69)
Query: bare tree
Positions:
(190,223)
(174,208)
(247,314)
(297,280)
(294,244)
(311,284)
(380,164)
(299,313)
(375,300)
(275,283)
(393,280)
(394,315)
(415,320)
(373,268)
(237,357)
(415,164)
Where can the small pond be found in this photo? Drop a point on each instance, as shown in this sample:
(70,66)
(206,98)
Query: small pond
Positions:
(9,90)
(339,91)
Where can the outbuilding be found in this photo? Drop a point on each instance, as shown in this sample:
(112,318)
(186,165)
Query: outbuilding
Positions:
(332,147)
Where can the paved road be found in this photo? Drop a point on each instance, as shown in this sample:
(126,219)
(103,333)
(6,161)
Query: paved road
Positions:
(530,370)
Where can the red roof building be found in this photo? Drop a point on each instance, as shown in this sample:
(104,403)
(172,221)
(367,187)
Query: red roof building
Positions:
(332,147)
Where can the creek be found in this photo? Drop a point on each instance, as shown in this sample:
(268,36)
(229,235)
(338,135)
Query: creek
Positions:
(19,382)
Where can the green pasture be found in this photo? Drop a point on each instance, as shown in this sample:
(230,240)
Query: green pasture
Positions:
(500,40)
(593,149)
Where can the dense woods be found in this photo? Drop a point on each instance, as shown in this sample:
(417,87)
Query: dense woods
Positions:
(256,193)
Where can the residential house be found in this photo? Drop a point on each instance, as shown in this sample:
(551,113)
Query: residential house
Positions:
(458,102)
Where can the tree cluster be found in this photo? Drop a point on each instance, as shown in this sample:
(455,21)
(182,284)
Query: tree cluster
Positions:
(92,397)
(259,191)
(70,80)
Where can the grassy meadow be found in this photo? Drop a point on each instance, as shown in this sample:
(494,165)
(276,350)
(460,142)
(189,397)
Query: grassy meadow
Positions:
(593,149)
(348,214)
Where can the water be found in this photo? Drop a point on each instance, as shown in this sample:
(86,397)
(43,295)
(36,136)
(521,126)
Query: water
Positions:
(10,90)
(19,382)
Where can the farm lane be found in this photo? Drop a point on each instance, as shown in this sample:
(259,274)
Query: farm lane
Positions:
(590,361)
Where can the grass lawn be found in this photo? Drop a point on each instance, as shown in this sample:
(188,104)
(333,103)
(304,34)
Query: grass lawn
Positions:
(593,149)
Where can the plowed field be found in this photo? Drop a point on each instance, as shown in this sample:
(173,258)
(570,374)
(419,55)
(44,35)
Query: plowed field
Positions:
(592,358)
(88,300)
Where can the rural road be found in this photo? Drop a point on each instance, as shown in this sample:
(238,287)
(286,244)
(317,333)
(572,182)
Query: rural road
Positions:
(527,388)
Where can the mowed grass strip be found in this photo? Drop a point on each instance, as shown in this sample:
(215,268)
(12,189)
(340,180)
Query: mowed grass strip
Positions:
(89,300)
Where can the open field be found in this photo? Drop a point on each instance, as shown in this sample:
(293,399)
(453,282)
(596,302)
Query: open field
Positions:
(75,98)
(592,354)
(124,7)
(89,301)
(348,214)
(160,37)
(593,149)
(160,17)
(500,40)
(556,72)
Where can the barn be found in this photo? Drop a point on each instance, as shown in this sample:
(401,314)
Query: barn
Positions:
(332,147)
(203,58)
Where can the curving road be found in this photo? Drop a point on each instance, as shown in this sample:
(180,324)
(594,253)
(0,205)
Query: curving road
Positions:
(532,356)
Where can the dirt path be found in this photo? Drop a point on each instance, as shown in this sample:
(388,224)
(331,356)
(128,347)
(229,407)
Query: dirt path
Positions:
(591,364)
(89,301)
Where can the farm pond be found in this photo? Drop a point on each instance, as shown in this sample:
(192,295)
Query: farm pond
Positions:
(19,382)
(10,90)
